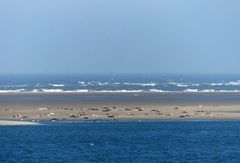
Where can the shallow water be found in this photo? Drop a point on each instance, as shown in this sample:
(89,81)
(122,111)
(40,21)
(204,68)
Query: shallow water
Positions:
(143,99)
(159,141)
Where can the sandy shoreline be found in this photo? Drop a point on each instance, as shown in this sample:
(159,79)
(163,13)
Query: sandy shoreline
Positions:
(15,123)
(114,107)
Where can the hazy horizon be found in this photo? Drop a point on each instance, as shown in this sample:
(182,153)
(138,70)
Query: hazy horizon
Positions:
(107,37)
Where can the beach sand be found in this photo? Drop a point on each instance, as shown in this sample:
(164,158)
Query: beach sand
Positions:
(15,123)
(115,107)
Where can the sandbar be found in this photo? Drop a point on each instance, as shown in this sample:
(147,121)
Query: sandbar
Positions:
(115,107)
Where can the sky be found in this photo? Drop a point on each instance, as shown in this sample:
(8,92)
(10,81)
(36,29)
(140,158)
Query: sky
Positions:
(119,36)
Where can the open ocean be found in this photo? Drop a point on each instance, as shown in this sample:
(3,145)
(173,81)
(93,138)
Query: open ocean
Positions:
(160,141)
(119,83)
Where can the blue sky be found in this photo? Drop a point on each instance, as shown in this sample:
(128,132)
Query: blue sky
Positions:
(122,36)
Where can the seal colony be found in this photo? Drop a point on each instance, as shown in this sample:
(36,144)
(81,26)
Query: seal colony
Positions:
(31,108)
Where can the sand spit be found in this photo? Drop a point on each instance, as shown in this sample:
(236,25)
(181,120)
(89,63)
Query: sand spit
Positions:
(16,123)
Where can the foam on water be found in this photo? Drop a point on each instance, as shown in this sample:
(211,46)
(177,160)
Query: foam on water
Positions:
(236,83)
(119,83)
(56,85)
(52,90)
(191,90)
(12,91)
(156,90)
(152,84)
(184,84)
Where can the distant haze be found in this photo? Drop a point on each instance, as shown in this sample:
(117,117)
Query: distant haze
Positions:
(119,36)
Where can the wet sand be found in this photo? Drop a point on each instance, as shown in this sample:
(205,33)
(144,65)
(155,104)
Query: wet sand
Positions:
(119,106)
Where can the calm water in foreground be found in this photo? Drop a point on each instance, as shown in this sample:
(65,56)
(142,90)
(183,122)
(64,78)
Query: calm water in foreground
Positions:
(160,141)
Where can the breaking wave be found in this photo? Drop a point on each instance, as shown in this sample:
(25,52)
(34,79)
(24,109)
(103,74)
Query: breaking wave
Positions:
(184,84)
(112,91)
(96,83)
(231,83)
(152,84)
(12,91)
(120,85)
(56,85)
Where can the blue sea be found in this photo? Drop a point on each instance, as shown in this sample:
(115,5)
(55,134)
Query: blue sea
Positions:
(149,141)
(119,83)
(126,141)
